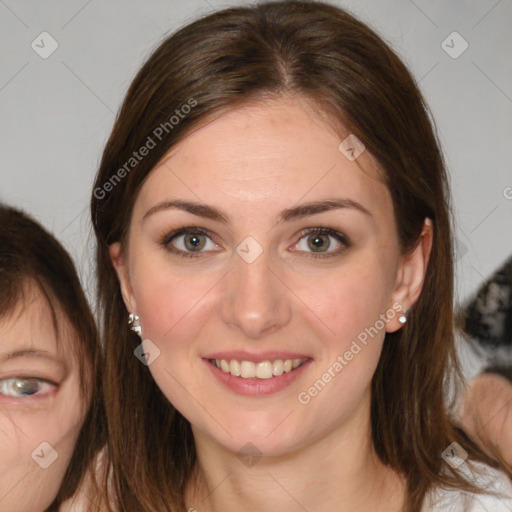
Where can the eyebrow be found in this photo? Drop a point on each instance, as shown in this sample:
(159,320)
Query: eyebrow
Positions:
(286,215)
(29,353)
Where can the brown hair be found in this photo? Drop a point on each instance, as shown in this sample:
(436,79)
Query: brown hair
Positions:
(230,58)
(30,256)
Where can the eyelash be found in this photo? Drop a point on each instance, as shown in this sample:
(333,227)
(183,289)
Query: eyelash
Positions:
(4,385)
(166,239)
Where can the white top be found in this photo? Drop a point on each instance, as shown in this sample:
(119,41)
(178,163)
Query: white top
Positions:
(439,500)
(460,501)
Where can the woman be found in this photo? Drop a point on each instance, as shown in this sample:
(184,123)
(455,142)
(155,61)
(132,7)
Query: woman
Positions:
(272,216)
(50,396)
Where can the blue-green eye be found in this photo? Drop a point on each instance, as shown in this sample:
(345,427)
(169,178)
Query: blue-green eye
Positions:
(17,387)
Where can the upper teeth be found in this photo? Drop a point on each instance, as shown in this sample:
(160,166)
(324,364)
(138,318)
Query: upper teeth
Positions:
(261,370)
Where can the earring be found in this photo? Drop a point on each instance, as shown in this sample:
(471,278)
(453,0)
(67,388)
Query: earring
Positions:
(133,322)
(403,318)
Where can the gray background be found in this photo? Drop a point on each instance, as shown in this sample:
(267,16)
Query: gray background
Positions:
(56,113)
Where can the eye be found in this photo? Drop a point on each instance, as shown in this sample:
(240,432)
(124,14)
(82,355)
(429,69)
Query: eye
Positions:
(190,242)
(18,387)
(187,241)
(317,241)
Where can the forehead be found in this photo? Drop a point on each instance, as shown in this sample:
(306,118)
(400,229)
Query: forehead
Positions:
(267,154)
(30,327)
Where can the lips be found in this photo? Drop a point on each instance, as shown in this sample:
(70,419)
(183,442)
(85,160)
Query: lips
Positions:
(256,375)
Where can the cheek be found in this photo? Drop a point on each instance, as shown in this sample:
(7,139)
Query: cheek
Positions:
(349,299)
(14,443)
(58,427)
(166,296)
(36,447)
(353,306)
(353,303)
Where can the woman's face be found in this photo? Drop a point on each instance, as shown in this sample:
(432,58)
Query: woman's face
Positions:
(224,267)
(41,408)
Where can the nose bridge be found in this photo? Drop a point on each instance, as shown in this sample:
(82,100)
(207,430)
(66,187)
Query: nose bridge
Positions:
(255,300)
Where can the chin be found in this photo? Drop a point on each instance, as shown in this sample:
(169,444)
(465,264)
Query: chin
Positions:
(263,437)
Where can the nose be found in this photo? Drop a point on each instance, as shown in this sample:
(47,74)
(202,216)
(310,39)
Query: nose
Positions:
(256,302)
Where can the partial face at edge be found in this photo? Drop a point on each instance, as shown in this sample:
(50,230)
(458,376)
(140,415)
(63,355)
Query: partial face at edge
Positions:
(260,288)
(41,407)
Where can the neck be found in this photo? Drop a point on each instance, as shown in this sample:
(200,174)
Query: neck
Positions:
(339,472)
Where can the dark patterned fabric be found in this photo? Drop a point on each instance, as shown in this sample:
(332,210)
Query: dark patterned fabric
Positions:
(487,319)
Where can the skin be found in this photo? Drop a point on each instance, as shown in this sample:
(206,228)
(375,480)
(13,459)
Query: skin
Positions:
(486,414)
(252,163)
(53,414)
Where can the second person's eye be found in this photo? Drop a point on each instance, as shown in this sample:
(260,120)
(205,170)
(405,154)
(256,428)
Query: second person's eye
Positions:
(18,387)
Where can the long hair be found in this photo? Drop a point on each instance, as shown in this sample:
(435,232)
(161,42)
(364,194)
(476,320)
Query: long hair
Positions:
(208,67)
(31,256)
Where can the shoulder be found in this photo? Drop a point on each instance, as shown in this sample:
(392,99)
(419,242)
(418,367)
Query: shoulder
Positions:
(497,482)
(88,496)
(490,479)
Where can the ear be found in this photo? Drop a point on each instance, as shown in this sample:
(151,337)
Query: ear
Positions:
(411,275)
(121,268)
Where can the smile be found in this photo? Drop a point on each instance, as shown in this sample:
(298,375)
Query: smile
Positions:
(260,370)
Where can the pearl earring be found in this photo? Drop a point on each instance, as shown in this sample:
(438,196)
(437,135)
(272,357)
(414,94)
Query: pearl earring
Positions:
(403,318)
(133,322)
